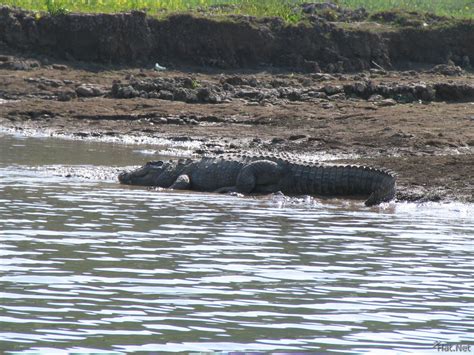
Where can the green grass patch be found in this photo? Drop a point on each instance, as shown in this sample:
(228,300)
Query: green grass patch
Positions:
(450,8)
(286,9)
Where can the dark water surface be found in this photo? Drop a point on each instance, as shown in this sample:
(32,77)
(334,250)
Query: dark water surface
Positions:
(88,265)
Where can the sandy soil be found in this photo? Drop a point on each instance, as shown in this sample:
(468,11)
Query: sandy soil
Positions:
(429,144)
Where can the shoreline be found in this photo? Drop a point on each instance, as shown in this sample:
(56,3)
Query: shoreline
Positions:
(408,189)
(429,144)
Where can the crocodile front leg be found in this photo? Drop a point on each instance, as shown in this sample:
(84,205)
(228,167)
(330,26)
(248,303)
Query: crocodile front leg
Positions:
(183,182)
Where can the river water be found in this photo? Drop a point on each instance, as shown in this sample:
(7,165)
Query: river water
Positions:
(90,266)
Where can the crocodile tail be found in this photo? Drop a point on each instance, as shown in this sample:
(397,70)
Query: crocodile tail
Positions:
(342,180)
(384,190)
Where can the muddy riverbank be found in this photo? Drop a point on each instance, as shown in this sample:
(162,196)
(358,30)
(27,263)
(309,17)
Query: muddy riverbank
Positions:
(336,100)
(429,143)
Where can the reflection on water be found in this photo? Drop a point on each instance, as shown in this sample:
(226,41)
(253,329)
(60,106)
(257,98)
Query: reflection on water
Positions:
(90,266)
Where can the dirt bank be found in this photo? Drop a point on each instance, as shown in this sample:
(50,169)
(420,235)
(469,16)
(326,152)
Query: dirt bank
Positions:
(419,124)
(327,39)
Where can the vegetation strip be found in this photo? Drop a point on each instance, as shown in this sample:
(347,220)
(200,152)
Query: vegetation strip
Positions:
(289,10)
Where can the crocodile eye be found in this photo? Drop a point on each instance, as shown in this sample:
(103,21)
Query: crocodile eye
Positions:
(154,164)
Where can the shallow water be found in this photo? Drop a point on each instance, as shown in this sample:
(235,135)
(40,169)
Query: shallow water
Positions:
(88,265)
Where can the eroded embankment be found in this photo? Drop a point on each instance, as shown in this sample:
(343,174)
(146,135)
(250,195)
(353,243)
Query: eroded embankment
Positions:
(313,45)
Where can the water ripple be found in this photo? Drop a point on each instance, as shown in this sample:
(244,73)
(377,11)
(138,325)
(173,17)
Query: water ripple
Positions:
(90,266)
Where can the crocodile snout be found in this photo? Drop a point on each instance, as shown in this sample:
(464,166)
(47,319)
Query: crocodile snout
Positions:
(124,177)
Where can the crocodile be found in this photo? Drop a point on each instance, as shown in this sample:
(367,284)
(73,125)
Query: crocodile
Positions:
(266,173)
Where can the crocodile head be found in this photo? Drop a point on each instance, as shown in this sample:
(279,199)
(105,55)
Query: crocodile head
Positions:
(147,175)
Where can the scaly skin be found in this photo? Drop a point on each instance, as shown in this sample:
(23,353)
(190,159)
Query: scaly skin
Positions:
(265,173)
